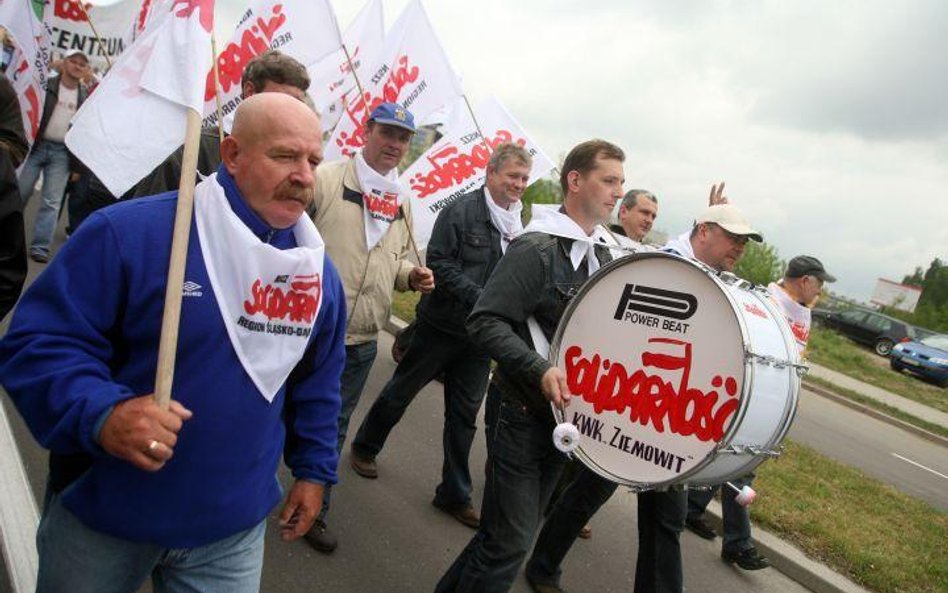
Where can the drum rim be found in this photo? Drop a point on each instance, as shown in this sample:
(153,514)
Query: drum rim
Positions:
(793,387)
(735,423)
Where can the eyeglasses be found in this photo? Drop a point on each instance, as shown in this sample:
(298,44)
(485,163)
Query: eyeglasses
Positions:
(739,239)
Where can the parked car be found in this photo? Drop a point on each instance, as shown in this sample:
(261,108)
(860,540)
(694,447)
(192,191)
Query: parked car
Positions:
(879,331)
(927,357)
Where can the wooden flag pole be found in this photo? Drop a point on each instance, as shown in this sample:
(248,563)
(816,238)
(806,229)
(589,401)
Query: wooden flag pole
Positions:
(171,319)
(477,125)
(217,87)
(105,52)
(353,70)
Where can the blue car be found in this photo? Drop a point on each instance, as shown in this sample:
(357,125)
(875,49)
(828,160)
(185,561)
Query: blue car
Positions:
(927,357)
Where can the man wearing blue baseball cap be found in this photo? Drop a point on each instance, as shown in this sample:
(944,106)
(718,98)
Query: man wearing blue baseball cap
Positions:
(364,219)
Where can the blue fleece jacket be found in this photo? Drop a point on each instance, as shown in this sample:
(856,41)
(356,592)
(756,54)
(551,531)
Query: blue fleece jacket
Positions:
(85,337)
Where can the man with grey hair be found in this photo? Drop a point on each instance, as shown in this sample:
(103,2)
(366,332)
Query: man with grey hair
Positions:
(468,239)
(634,216)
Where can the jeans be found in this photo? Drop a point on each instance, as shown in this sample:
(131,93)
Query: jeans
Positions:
(359,359)
(661,518)
(431,352)
(736,519)
(523,467)
(76,559)
(52,160)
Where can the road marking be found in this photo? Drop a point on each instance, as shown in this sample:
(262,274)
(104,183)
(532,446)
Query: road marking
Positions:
(916,464)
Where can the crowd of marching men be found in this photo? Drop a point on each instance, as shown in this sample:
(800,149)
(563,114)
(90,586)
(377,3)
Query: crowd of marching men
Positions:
(289,276)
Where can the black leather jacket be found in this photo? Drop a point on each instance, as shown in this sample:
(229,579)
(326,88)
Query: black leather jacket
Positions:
(463,250)
(536,278)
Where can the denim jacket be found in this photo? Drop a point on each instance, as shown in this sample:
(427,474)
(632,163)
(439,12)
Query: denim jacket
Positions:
(463,250)
(535,277)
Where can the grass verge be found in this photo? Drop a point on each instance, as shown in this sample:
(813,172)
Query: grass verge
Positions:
(880,538)
(403,305)
(877,405)
(828,348)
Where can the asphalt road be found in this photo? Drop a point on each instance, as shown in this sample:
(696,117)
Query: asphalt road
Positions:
(913,465)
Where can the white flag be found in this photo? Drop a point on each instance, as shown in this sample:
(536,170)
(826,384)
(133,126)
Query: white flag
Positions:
(332,77)
(136,117)
(144,18)
(27,70)
(302,29)
(457,164)
(71,28)
(414,71)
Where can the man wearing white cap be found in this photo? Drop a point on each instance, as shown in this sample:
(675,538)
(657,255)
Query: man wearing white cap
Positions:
(49,156)
(717,240)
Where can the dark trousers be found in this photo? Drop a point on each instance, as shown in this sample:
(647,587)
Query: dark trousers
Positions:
(84,199)
(431,352)
(736,519)
(661,519)
(523,467)
(359,359)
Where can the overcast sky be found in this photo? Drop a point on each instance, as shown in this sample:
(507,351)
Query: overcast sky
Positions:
(827,120)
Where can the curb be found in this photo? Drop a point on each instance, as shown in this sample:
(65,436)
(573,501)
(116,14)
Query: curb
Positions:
(845,401)
(19,515)
(784,557)
(790,560)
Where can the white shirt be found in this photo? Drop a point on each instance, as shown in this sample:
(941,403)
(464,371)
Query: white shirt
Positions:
(66,106)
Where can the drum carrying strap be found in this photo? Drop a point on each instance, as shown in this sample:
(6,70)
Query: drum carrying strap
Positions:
(540,343)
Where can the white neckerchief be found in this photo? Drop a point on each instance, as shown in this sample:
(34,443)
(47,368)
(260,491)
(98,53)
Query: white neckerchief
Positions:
(681,245)
(797,315)
(507,222)
(612,240)
(269,298)
(381,198)
(549,219)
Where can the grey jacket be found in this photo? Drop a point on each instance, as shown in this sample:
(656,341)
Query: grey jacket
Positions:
(463,250)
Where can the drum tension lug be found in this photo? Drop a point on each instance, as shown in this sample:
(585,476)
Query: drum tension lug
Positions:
(754,450)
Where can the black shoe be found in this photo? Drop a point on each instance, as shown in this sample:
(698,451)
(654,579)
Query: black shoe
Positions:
(321,538)
(701,528)
(364,466)
(465,514)
(749,559)
(39,257)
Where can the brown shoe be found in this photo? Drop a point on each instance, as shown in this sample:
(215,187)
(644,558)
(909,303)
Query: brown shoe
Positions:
(586,532)
(321,537)
(466,514)
(364,466)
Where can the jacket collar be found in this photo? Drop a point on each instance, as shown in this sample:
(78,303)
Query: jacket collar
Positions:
(482,214)
(239,205)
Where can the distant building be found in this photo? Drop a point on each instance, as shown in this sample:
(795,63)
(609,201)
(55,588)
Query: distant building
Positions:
(895,295)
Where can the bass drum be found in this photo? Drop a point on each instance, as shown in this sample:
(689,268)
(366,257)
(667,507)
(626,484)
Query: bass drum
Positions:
(678,374)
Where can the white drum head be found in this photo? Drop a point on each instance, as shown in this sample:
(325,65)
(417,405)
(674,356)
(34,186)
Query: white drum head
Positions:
(654,357)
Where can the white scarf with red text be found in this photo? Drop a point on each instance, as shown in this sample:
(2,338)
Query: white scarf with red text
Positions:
(381,198)
(798,316)
(269,298)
